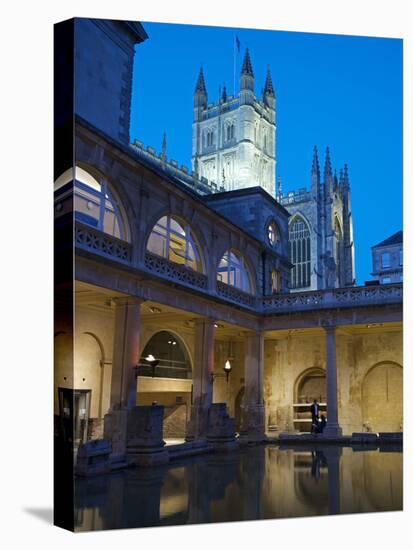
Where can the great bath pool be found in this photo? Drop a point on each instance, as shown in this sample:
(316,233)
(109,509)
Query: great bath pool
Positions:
(264,482)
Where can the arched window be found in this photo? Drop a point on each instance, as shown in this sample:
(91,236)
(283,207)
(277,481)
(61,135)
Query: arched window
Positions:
(339,238)
(232,270)
(275,281)
(173,358)
(94,203)
(209,137)
(230,131)
(300,253)
(273,234)
(174,240)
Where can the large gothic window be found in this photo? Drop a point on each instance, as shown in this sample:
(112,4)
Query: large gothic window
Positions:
(300,253)
(232,270)
(173,239)
(94,202)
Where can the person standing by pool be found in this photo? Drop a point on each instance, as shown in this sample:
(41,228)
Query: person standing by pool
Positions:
(314,416)
(322,423)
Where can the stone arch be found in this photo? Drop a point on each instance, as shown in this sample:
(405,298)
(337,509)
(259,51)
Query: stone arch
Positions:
(126,209)
(99,343)
(172,384)
(382,397)
(197,236)
(179,337)
(299,214)
(310,385)
(94,179)
(88,360)
(169,348)
(252,273)
(129,206)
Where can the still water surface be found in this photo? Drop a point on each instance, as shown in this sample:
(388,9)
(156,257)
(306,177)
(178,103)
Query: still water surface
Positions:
(255,483)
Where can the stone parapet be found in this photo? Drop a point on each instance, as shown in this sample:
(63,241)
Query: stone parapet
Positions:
(333,298)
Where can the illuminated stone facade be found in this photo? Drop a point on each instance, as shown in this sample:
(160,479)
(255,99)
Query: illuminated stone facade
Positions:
(211,271)
(233,139)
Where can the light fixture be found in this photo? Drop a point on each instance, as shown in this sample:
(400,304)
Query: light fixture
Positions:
(152,362)
(227,368)
(150,359)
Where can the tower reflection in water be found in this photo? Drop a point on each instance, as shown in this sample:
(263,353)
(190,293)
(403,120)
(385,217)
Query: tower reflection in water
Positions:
(256,483)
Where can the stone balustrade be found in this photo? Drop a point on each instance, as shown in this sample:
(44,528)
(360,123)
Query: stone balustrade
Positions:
(89,238)
(333,298)
(175,272)
(235,295)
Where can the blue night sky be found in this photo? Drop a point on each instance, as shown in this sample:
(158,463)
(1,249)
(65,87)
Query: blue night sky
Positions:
(341,91)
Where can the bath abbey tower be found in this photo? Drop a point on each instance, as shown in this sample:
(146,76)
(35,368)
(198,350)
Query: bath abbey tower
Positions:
(233,139)
(234,147)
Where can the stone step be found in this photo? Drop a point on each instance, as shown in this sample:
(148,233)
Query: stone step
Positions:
(188,449)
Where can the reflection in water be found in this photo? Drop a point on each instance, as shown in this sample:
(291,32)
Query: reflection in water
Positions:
(256,483)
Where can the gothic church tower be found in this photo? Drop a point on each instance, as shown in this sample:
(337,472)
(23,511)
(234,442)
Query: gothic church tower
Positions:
(233,139)
(321,230)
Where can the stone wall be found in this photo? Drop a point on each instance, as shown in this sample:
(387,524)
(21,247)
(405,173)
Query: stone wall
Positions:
(175,420)
(104,52)
(288,358)
(95,428)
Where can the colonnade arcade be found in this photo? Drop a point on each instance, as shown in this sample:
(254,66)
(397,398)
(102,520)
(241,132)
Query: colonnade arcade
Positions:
(115,334)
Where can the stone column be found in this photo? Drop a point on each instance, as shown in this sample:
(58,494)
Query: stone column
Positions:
(253,421)
(202,378)
(332,428)
(126,353)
